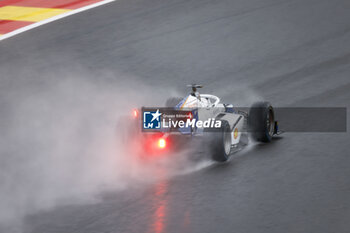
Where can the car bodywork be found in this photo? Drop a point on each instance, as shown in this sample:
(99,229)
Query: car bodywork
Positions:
(231,136)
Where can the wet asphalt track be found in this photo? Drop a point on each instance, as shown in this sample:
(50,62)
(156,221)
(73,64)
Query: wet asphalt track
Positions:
(293,53)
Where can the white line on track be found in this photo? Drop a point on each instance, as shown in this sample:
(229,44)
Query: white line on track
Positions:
(49,20)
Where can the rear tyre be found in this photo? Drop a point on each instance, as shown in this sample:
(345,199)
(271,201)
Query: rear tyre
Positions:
(261,121)
(220,145)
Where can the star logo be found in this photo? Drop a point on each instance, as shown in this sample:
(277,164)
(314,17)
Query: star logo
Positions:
(156,115)
(151,119)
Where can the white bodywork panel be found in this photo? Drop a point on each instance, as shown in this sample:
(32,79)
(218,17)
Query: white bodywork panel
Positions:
(209,106)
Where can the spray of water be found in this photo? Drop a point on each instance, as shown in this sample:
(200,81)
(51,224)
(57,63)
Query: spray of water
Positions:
(59,142)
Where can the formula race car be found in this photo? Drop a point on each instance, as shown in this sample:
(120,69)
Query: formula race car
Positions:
(200,121)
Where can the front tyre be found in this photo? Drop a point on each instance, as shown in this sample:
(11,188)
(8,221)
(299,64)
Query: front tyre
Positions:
(220,145)
(261,121)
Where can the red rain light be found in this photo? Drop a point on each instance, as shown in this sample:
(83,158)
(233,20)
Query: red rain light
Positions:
(161,143)
(135,113)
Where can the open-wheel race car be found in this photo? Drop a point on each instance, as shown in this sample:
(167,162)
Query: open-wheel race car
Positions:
(200,121)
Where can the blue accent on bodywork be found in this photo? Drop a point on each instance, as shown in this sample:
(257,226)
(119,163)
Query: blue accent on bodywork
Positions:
(229,108)
(178,106)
